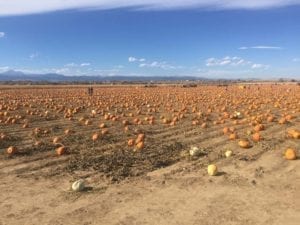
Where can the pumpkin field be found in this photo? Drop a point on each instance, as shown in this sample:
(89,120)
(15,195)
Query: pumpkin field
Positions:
(125,133)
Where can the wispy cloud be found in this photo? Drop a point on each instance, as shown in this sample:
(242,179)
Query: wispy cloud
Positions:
(61,70)
(4,68)
(2,34)
(134,59)
(266,47)
(233,62)
(33,55)
(259,66)
(142,63)
(161,65)
(72,64)
(20,7)
(296,60)
(85,64)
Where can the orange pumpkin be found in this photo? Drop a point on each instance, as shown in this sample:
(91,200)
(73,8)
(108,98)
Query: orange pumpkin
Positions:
(259,127)
(61,150)
(95,137)
(244,143)
(290,154)
(166,121)
(140,145)
(68,131)
(56,140)
(293,134)
(87,122)
(11,150)
(204,125)
(233,136)
(126,129)
(130,142)
(270,118)
(102,125)
(289,117)
(104,131)
(231,129)
(140,137)
(3,136)
(225,130)
(256,137)
(38,143)
(282,121)
(195,122)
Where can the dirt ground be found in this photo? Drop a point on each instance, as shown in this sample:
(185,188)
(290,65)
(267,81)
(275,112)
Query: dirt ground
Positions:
(161,184)
(262,191)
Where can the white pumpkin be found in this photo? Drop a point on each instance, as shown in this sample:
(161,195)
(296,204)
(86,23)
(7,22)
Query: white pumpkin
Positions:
(228,153)
(212,170)
(78,185)
(195,151)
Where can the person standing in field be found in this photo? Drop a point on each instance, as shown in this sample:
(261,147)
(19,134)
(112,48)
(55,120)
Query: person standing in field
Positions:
(90,91)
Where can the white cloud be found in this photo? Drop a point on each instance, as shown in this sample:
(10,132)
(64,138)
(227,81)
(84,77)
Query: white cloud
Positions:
(72,64)
(267,47)
(72,69)
(34,55)
(134,59)
(261,47)
(4,68)
(211,62)
(230,61)
(85,64)
(259,66)
(225,62)
(21,7)
(233,61)
(160,65)
(2,34)
(62,70)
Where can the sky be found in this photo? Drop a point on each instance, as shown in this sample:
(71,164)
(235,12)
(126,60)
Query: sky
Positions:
(203,38)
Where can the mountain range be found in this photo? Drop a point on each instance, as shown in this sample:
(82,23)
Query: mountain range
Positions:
(12,75)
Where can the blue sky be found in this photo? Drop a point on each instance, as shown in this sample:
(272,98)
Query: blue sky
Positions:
(235,39)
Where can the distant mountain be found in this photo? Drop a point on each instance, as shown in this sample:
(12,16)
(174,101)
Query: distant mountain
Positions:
(13,75)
